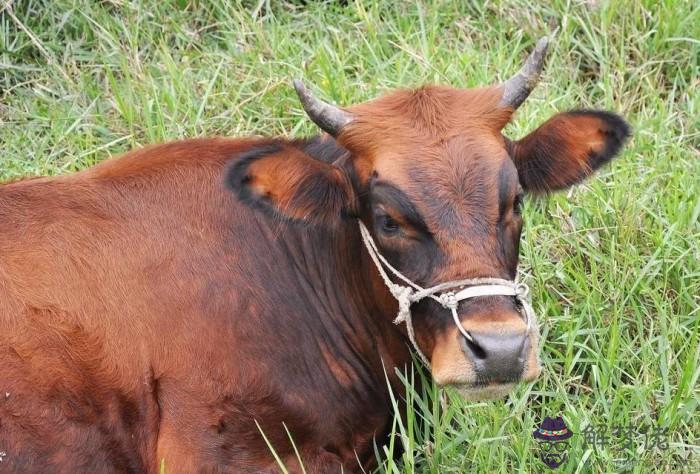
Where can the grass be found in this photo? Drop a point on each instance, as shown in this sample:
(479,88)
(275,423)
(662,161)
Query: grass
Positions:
(613,264)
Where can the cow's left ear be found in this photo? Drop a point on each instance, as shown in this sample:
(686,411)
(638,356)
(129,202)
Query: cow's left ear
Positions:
(568,148)
(285,181)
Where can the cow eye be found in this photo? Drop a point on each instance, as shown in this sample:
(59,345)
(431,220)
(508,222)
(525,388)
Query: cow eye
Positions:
(518,204)
(388,225)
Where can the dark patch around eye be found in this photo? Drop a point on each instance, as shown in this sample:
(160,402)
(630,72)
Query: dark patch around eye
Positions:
(392,197)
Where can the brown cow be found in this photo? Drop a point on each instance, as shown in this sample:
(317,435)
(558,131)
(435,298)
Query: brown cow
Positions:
(173,303)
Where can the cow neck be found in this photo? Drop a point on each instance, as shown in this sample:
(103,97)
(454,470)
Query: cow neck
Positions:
(348,294)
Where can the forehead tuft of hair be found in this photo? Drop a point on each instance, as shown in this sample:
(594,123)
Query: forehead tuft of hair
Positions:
(428,114)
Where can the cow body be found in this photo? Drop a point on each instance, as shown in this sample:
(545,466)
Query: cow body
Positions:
(148,315)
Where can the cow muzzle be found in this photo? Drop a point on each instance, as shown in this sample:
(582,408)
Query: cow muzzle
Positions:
(502,351)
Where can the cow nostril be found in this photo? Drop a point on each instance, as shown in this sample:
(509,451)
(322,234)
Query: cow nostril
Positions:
(475,348)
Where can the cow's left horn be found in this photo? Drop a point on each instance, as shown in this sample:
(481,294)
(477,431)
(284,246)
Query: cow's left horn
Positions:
(330,118)
(517,88)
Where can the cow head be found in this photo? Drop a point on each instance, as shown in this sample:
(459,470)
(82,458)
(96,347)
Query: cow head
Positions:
(439,186)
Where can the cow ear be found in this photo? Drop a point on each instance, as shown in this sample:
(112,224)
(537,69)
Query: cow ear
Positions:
(284,180)
(567,149)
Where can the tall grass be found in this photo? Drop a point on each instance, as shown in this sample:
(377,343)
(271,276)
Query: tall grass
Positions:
(613,264)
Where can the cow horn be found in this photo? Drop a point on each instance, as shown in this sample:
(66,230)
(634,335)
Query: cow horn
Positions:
(330,118)
(517,88)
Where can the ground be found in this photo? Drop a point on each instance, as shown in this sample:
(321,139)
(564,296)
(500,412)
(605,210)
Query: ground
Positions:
(614,265)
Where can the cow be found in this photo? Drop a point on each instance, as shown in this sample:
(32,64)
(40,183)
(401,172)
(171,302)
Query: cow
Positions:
(191,304)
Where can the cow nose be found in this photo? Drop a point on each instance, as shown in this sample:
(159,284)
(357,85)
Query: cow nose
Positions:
(497,357)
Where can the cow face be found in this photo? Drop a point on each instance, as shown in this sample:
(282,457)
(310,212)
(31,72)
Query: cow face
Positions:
(441,190)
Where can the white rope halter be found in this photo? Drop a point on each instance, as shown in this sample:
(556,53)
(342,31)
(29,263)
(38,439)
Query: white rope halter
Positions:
(470,288)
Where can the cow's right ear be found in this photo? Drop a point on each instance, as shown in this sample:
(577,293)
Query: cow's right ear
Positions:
(287,182)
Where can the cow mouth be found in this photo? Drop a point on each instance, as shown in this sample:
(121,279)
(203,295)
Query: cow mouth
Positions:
(492,391)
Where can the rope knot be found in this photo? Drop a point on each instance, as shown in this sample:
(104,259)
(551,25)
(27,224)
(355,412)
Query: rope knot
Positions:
(449,300)
(403,295)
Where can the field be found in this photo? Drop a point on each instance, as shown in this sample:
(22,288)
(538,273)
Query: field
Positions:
(614,264)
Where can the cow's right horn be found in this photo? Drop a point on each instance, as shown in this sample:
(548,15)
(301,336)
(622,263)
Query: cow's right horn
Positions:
(330,118)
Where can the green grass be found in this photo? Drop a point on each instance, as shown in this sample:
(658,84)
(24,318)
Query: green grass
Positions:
(613,264)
